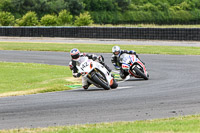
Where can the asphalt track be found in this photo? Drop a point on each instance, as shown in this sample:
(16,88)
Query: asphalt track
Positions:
(173,90)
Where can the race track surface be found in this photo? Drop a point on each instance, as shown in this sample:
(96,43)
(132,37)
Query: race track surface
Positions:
(173,90)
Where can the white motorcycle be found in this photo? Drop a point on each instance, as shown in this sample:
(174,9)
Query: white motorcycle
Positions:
(96,73)
(132,65)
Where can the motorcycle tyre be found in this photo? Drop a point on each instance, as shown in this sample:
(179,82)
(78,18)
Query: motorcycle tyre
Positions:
(114,85)
(138,71)
(98,81)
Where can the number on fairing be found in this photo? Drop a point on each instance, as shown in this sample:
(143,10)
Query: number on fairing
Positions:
(126,59)
(84,65)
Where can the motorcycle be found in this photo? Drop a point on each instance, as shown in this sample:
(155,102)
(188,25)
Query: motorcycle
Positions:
(96,73)
(135,67)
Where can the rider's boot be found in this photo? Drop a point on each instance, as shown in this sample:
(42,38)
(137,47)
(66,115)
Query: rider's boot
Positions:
(85,83)
(85,87)
(123,74)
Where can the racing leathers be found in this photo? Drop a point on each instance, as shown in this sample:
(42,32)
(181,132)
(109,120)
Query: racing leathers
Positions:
(76,74)
(115,59)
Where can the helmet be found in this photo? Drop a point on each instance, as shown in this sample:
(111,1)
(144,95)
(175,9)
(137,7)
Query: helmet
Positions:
(116,50)
(75,54)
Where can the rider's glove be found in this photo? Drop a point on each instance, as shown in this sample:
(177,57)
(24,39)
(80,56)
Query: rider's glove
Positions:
(77,75)
(132,52)
(100,58)
(94,58)
(70,65)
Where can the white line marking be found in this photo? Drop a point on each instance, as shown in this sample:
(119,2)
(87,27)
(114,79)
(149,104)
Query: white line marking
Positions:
(125,87)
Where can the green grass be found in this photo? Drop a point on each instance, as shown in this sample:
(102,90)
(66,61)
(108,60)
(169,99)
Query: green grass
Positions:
(99,48)
(148,26)
(29,78)
(184,124)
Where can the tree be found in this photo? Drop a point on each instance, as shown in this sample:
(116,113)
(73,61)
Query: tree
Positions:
(55,6)
(149,7)
(5,5)
(123,4)
(100,5)
(75,6)
(41,7)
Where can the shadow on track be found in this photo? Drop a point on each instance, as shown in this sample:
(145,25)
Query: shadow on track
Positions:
(135,80)
(90,89)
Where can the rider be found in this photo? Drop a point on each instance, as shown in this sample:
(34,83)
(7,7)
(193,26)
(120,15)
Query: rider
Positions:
(115,59)
(75,55)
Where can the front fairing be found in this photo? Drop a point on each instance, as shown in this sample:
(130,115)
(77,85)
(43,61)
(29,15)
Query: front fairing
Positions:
(83,65)
(87,66)
(125,60)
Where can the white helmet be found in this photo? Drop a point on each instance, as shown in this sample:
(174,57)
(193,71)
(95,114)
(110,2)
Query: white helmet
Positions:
(116,50)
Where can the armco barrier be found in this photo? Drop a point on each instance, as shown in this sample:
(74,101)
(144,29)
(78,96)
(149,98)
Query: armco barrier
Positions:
(104,32)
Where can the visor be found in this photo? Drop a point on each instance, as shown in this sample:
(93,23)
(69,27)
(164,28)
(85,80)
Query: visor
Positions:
(75,56)
(116,52)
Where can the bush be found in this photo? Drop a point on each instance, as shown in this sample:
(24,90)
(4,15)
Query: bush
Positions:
(83,19)
(6,19)
(64,17)
(29,19)
(49,20)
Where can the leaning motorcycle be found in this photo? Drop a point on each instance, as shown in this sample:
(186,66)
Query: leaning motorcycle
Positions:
(96,73)
(132,65)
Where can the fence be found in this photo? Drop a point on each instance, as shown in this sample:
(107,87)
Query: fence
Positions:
(104,32)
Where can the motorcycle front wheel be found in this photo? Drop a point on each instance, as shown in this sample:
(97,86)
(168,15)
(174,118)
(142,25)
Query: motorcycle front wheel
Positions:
(100,82)
(140,73)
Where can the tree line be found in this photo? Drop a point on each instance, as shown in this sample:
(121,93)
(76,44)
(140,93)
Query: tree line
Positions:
(85,12)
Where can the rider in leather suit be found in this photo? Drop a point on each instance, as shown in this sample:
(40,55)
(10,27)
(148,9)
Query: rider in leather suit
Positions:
(115,59)
(75,55)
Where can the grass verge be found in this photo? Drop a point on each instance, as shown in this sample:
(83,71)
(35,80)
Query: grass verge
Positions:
(148,26)
(184,124)
(99,48)
(29,78)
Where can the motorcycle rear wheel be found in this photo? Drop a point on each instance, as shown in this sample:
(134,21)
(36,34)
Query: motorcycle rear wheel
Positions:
(114,85)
